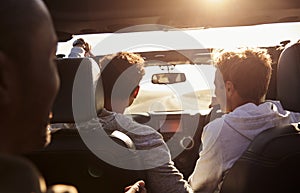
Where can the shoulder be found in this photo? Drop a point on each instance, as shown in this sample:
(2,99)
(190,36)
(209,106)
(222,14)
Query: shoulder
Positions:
(294,116)
(16,164)
(19,175)
(214,127)
(279,108)
(130,125)
(212,132)
(144,136)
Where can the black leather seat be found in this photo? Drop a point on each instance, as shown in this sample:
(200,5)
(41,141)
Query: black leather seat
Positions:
(82,74)
(67,159)
(270,164)
(288,79)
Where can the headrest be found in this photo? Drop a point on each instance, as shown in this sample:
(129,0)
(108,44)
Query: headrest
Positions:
(288,79)
(80,96)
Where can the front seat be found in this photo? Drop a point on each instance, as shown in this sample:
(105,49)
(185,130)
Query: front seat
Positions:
(67,159)
(288,79)
(270,164)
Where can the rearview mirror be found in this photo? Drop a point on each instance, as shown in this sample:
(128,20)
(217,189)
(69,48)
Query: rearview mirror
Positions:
(168,78)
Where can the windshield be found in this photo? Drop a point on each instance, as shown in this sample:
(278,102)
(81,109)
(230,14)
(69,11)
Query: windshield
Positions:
(194,94)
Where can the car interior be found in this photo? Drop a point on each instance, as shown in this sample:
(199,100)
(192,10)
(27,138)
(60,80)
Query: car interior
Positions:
(270,162)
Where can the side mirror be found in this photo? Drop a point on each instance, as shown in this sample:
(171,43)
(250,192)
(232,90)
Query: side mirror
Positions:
(168,78)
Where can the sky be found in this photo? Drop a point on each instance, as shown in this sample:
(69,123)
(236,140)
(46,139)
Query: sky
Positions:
(227,37)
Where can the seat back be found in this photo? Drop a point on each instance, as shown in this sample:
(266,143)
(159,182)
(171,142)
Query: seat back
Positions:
(270,164)
(288,79)
(67,160)
(80,92)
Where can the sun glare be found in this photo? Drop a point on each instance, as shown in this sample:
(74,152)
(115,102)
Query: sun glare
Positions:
(227,37)
(215,1)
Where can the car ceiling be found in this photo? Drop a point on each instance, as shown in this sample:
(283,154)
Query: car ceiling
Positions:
(72,17)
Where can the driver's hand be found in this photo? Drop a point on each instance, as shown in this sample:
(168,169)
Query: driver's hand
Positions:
(62,188)
(138,187)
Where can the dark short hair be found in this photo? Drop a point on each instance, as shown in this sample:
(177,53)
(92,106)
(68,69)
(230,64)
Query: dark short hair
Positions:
(126,64)
(249,69)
